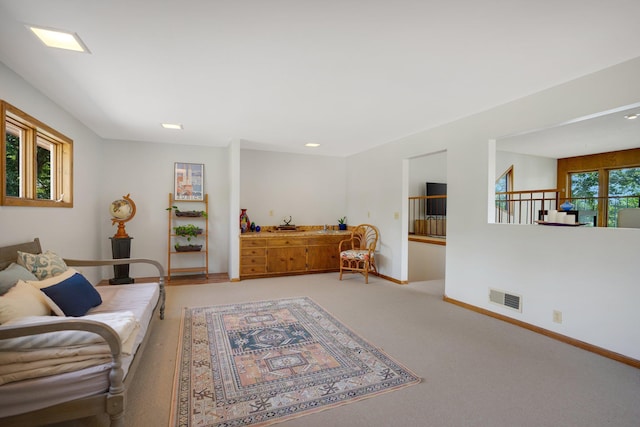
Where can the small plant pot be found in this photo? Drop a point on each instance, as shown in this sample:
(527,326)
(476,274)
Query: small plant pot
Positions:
(189,213)
(188,248)
(187,231)
(342,226)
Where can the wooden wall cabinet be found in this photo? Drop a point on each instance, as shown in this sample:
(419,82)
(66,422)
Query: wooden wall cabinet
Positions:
(286,255)
(273,256)
(323,254)
(287,259)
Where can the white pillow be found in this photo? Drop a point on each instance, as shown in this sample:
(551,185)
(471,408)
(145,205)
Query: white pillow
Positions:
(23,300)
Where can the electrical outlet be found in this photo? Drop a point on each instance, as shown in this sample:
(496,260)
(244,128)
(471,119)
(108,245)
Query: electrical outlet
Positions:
(271,212)
(396,215)
(368,214)
(557,316)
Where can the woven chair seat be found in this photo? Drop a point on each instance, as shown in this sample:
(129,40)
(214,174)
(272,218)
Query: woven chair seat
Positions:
(355,254)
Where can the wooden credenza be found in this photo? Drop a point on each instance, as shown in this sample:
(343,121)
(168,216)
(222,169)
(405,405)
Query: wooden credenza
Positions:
(278,254)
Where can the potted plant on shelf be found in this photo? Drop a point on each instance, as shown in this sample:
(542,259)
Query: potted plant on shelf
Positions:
(193,214)
(342,223)
(189,231)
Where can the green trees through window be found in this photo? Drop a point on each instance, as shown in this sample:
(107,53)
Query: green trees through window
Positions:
(616,188)
(43,171)
(12,164)
(37,162)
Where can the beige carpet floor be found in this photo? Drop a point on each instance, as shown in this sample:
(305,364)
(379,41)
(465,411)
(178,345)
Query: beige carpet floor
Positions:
(477,371)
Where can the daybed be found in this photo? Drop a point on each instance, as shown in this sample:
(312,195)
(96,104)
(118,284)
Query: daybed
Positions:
(86,391)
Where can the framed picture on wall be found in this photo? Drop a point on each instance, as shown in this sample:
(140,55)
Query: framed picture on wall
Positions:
(188,181)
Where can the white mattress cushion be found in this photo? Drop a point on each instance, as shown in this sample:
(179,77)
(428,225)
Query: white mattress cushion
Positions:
(24,396)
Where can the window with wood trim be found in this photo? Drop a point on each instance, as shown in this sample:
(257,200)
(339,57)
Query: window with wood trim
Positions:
(599,185)
(37,162)
(504,184)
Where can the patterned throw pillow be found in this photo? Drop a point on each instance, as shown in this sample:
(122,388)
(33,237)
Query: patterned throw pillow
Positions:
(43,265)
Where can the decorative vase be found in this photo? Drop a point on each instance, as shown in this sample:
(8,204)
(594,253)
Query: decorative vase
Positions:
(566,206)
(244,221)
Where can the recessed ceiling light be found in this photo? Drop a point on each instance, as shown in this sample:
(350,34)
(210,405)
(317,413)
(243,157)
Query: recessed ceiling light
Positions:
(311,144)
(59,39)
(177,126)
(632,116)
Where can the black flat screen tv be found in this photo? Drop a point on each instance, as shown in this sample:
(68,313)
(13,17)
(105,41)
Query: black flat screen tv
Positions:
(436,207)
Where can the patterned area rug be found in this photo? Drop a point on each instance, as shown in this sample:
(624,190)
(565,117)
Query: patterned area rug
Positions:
(260,363)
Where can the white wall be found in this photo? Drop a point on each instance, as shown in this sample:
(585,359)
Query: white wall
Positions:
(233,154)
(427,168)
(310,189)
(588,274)
(564,266)
(70,232)
(529,172)
(146,172)
(105,171)
(383,202)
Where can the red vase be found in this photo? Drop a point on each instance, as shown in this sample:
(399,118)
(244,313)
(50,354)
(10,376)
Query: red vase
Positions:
(244,221)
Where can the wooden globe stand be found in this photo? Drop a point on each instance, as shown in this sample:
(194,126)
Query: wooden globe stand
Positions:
(121,233)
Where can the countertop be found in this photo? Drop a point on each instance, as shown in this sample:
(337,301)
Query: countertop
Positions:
(302,231)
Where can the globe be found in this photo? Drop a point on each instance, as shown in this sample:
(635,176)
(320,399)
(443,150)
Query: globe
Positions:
(121,209)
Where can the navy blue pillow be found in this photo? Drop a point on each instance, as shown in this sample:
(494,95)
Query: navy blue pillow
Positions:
(75,295)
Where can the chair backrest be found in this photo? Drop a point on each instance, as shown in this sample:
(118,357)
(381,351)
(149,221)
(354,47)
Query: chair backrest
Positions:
(367,236)
(629,218)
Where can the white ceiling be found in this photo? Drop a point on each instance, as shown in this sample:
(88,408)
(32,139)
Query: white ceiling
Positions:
(276,74)
(598,133)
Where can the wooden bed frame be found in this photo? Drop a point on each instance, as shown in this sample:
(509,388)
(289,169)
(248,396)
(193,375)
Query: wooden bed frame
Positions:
(112,401)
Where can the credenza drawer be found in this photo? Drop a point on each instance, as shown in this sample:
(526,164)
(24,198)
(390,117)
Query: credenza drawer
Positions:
(249,252)
(253,243)
(325,240)
(285,242)
(252,266)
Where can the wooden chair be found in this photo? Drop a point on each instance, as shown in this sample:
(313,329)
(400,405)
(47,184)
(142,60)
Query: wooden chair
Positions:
(357,252)
(629,218)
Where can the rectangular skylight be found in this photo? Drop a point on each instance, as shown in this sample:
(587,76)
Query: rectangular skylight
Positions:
(172,126)
(59,39)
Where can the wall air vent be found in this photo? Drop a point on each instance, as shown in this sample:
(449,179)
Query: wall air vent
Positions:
(505,299)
